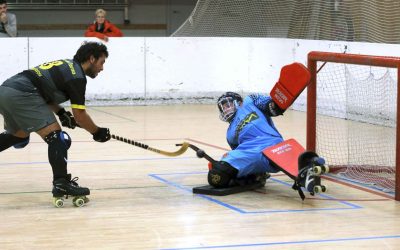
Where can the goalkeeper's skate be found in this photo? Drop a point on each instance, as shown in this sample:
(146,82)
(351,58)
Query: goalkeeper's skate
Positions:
(311,167)
(64,187)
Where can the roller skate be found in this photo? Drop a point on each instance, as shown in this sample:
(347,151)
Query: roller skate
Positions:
(311,167)
(64,187)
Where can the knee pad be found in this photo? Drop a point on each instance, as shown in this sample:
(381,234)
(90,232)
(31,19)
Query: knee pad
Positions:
(59,136)
(59,142)
(7,140)
(221,174)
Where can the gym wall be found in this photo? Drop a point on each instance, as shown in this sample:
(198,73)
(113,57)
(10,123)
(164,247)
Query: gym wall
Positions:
(164,70)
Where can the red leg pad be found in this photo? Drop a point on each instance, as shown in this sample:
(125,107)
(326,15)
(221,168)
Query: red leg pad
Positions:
(285,155)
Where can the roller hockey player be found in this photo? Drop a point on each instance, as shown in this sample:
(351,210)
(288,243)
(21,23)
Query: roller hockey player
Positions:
(251,131)
(29,100)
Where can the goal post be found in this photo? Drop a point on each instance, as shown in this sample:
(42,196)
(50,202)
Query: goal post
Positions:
(353,117)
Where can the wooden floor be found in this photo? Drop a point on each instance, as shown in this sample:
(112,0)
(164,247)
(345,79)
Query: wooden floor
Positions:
(143,200)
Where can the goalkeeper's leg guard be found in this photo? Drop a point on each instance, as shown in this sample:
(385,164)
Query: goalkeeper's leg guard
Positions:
(221,174)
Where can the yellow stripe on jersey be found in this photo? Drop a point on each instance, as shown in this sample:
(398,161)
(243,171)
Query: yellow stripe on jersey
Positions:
(76,106)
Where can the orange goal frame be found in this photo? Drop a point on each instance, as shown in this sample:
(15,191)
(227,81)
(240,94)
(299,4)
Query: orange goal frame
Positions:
(380,61)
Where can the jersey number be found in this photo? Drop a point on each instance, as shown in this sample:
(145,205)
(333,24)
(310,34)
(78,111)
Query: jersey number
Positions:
(49,65)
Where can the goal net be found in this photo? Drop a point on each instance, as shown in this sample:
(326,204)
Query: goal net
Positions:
(352,116)
(339,20)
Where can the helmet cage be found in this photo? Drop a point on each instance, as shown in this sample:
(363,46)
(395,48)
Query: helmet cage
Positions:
(227,106)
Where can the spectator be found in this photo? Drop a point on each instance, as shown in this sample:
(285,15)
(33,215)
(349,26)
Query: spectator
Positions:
(102,28)
(8,27)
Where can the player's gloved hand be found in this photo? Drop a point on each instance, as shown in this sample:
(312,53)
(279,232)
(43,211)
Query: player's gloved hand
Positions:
(102,135)
(66,118)
(273,109)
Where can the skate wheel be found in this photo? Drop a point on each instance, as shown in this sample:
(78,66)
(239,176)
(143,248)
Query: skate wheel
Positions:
(317,189)
(326,169)
(317,170)
(58,202)
(323,188)
(79,201)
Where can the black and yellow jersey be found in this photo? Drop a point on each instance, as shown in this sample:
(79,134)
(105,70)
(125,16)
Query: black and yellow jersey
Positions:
(60,81)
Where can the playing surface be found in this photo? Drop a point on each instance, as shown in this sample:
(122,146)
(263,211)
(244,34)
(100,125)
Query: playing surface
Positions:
(143,200)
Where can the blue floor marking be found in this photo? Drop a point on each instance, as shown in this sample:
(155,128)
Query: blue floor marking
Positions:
(290,242)
(239,210)
(188,189)
(322,195)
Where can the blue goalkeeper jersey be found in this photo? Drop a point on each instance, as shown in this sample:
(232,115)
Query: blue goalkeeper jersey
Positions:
(249,132)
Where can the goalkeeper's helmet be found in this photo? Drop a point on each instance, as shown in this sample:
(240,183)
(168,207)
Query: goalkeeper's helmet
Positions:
(227,105)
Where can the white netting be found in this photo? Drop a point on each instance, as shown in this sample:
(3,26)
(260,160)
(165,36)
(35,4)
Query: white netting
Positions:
(356,122)
(344,20)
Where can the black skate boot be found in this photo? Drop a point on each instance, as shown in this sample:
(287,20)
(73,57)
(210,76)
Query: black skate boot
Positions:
(311,167)
(67,187)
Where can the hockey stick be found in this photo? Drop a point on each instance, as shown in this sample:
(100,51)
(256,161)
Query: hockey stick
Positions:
(200,153)
(184,146)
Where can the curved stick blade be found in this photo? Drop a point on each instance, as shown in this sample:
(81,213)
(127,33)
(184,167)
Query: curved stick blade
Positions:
(184,146)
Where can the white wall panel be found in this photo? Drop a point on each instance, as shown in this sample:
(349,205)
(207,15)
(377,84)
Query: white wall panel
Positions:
(13,56)
(171,68)
(192,65)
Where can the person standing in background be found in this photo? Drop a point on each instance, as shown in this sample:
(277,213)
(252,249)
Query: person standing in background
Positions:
(102,28)
(8,21)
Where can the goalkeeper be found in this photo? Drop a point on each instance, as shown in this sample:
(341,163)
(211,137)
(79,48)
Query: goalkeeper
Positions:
(250,130)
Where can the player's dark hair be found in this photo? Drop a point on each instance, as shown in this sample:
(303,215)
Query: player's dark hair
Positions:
(88,49)
(3,1)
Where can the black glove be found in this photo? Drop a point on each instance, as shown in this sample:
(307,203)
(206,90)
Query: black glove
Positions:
(102,135)
(66,119)
(273,109)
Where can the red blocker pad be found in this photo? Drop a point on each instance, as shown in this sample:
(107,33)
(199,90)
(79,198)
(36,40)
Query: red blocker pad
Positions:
(285,155)
(293,79)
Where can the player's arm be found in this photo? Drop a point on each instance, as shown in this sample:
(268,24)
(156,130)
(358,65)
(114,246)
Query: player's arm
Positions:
(76,91)
(266,105)
(85,121)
